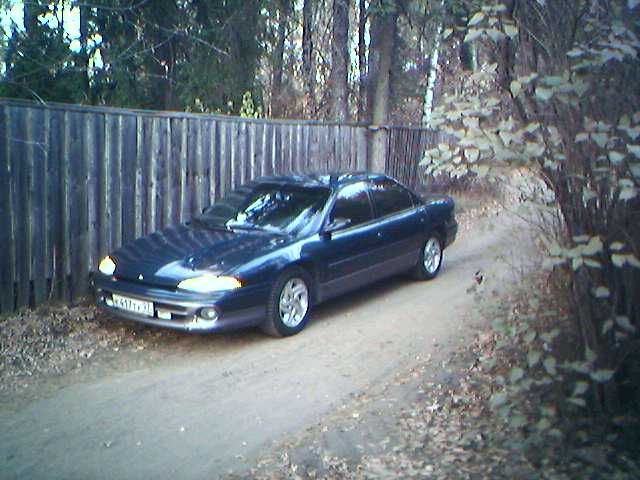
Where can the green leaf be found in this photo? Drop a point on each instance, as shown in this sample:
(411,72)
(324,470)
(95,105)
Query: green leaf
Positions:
(578,401)
(544,94)
(550,365)
(606,326)
(550,335)
(580,388)
(593,247)
(532,127)
(543,424)
(576,263)
(515,87)
(633,261)
(511,30)
(529,337)
(589,262)
(495,35)
(517,421)
(618,260)
(472,35)
(634,149)
(582,137)
(516,374)
(476,19)
(624,323)
(615,157)
(600,139)
(602,376)
(533,357)
(489,363)
(472,154)
(616,246)
(482,171)
(497,400)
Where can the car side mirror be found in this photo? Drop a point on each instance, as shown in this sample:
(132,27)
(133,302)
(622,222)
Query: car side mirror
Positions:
(335,225)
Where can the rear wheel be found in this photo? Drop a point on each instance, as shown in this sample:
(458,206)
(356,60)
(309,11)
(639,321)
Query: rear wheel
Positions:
(430,259)
(289,304)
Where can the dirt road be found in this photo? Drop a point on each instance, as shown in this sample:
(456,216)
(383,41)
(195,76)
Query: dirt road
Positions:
(204,405)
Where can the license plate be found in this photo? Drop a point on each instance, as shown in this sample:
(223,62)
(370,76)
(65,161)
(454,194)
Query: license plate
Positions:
(133,305)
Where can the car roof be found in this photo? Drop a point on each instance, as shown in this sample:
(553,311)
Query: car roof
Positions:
(331,180)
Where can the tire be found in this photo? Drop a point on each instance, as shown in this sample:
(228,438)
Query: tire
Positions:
(430,260)
(287,309)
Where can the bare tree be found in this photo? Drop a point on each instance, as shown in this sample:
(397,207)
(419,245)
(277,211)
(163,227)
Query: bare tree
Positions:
(308,76)
(277,103)
(362,61)
(339,107)
(383,37)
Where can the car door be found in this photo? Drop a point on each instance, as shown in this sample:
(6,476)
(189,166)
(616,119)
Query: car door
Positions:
(347,252)
(400,223)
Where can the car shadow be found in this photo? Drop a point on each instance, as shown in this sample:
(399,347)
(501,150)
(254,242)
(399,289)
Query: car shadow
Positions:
(171,343)
(361,296)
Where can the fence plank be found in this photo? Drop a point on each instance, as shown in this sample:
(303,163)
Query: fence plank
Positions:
(139,191)
(55,201)
(94,150)
(77,201)
(172,202)
(212,162)
(184,189)
(129,178)
(105,195)
(234,167)
(224,158)
(117,178)
(37,186)
(7,238)
(21,169)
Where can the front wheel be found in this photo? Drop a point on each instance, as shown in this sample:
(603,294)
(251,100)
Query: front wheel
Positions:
(430,259)
(289,304)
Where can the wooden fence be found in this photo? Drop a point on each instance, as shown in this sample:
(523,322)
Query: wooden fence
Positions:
(77,182)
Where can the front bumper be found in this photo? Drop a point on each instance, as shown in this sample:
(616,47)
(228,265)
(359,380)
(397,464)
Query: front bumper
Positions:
(178,310)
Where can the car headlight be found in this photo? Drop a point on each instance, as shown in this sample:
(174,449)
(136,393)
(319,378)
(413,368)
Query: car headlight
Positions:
(107,266)
(209,283)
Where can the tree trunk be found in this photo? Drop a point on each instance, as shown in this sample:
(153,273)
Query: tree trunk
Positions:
(307,59)
(362,64)
(277,103)
(84,52)
(383,37)
(339,106)
(427,109)
(30,16)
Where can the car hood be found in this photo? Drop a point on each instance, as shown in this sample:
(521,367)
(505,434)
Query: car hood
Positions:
(165,258)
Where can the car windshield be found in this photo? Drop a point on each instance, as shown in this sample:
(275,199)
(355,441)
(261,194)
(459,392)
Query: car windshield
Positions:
(275,208)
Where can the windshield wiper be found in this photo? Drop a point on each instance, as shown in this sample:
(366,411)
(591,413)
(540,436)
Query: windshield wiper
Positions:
(202,220)
(254,227)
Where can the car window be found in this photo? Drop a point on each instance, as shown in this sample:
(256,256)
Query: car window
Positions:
(353,203)
(389,197)
(287,209)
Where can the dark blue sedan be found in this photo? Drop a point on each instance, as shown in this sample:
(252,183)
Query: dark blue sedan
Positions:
(272,249)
